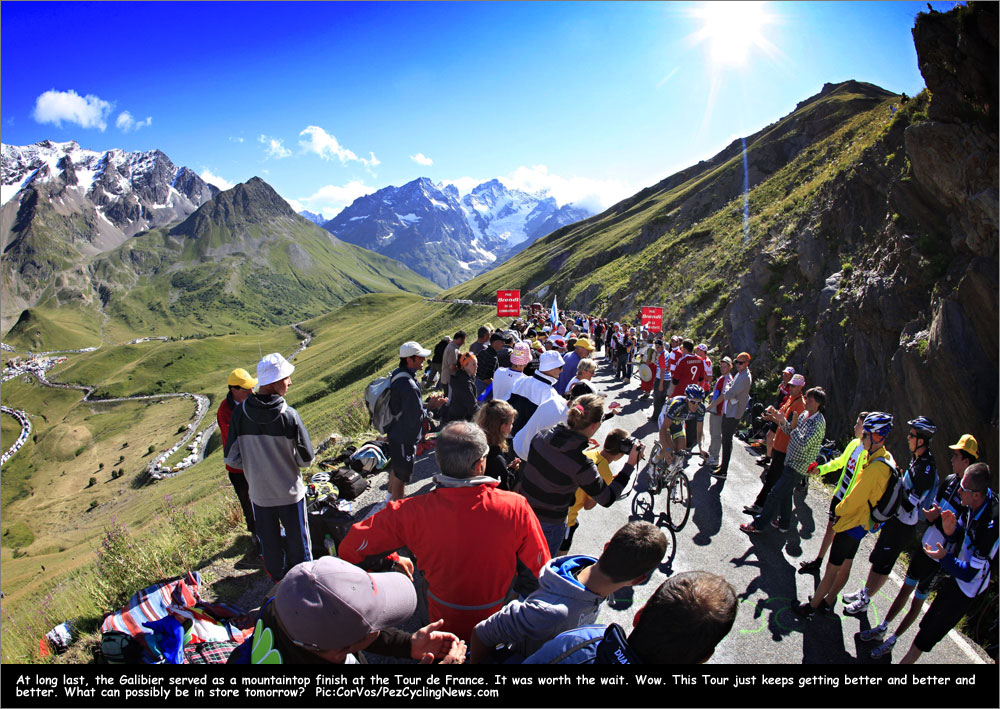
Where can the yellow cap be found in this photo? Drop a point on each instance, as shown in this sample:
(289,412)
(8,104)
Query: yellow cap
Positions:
(241,378)
(968,444)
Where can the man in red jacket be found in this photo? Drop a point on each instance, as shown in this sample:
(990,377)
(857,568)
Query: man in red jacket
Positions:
(241,385)
(466,533)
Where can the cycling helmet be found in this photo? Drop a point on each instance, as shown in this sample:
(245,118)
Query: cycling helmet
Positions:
(694,391)
(321,477)
(924,426)
(878,422)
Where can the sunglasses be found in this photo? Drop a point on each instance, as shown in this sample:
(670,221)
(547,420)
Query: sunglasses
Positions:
(740,361)
(963,488)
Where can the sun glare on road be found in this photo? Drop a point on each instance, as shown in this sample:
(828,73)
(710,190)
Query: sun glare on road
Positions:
(732,30)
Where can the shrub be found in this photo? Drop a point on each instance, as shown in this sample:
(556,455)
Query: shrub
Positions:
(93,505)
(92,482)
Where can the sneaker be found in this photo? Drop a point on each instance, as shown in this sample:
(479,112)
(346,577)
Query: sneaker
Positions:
(764,461)
(712,463)
(749,528)
(804,611)
(859,606)
(852,597)
(776,525)
(876,633)
(719,474)
(826,608)
(752,510)
(808,567)
(885,648)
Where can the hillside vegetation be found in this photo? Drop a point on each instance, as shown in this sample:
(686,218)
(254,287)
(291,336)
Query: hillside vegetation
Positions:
(48,517)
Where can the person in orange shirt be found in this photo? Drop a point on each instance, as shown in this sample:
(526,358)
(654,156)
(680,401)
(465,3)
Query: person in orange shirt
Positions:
(794,405)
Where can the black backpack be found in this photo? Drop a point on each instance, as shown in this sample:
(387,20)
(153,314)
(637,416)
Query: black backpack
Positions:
(887,505)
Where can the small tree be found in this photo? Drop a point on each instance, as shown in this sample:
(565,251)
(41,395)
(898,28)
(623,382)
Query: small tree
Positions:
(93,481)
(100,466)
(150,450)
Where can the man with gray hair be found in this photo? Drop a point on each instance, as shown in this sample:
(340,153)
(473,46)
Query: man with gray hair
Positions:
(466,533)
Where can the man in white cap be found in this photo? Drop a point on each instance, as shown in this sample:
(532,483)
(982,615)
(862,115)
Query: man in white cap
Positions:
(269,442)
(327,610)
(537,402)
(407,408)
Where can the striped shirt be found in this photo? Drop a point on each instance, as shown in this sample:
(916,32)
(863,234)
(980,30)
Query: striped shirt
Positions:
(557,466)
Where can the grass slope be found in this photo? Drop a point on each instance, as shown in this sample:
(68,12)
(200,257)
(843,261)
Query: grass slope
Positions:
(46,497)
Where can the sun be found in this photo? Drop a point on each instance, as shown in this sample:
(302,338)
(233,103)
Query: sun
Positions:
(732,30)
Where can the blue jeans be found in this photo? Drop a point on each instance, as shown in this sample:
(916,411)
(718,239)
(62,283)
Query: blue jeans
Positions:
(554,535)
(779,500)
(281,553)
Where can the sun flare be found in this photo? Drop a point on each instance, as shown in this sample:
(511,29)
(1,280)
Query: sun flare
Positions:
(732,30)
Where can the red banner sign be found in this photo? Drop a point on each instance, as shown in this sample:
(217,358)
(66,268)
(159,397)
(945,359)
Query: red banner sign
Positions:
(652,318)
(508,303)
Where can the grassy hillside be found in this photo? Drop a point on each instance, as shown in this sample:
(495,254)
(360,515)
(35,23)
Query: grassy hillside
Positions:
(51,325)
(164,367)
(46,507)
(681,244)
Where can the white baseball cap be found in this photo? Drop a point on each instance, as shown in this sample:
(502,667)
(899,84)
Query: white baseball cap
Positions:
(413,349)
(273,368)
(549,360)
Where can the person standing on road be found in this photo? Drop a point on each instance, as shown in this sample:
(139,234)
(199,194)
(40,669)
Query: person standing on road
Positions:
(850,462)
(804,443)
(737,396)
(537,402)
(434,366)
(269,442)
(716,410)
(789,413)
(919,483)
(969,567)
(854,513)
(661,379)
(505,378)
(582,349)
(241,386)
(556,466)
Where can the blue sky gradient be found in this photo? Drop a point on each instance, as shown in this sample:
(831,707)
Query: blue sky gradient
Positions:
(593,100)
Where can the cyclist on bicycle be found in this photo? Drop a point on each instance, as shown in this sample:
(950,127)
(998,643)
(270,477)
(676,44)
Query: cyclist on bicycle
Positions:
(689,407)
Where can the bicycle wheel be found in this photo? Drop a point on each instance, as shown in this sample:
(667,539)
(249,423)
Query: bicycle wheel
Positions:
(678,502)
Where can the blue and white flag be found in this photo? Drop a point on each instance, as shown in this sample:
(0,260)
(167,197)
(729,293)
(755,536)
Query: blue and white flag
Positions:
(555,314)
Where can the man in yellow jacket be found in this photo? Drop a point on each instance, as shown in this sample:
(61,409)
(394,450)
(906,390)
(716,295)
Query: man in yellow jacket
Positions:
(854,514)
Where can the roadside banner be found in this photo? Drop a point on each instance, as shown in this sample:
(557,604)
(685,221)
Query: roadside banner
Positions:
(508,303)
(652,318)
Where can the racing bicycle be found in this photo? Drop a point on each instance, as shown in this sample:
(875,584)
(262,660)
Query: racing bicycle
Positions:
(672,479)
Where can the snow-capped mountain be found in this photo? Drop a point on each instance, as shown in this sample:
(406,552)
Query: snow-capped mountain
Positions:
(313,217)
(126,192)
(63,204)
(446,236)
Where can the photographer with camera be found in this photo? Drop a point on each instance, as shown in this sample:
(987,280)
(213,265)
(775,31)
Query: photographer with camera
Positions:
(556,467)
(617,445)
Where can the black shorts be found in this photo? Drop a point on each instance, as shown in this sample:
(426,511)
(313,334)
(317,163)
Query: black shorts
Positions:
(833,506)
(771,426)
(401,458)
(890,542)
(844,547)
(948,607)
(922,570)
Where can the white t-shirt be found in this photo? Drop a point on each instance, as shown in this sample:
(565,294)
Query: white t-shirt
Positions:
(504,380)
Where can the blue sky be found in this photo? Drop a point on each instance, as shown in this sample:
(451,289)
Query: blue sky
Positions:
(328,101)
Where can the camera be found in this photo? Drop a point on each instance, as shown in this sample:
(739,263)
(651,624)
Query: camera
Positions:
(626,446)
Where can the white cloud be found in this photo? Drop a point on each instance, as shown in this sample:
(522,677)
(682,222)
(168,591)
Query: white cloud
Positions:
(328,147)
(213,179)
(596,195)
(235,139)
(127,124)
(275,147)
(421,159)
(86,111)
(331,199)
